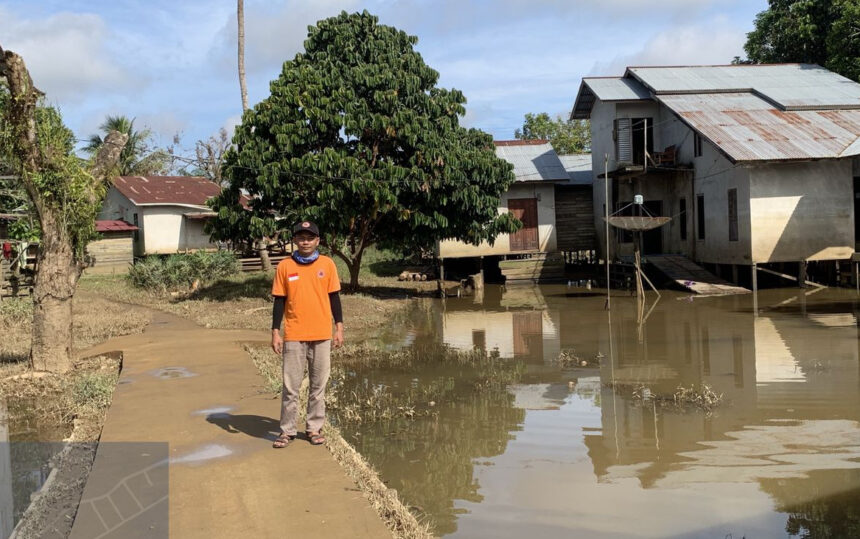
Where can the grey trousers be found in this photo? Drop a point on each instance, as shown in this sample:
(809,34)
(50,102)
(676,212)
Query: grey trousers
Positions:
(297,355)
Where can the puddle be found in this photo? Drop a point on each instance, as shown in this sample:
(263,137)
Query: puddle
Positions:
(561,454)
(24,459)
(168,373)
(218,411)
(209,452)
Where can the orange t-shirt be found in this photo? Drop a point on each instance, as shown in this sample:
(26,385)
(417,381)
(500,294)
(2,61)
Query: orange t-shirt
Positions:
(307,316)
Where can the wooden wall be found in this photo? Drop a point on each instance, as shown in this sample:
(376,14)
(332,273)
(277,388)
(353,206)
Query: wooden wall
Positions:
(111,254)
(574,218)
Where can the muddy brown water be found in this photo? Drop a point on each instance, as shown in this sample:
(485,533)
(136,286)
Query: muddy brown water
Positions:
(570,452)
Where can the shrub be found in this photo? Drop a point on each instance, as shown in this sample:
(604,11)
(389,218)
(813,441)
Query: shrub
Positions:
(182,270)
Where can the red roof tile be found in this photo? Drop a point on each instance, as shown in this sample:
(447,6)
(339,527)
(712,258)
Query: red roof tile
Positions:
(190,190)
(519,142)
(113,226)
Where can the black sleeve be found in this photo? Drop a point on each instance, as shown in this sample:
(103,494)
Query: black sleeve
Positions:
(278,311)
(336,309)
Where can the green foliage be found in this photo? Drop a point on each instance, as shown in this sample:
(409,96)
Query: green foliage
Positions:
(356,136)
(177,271)
(566,136)
(823,32)
(138,158)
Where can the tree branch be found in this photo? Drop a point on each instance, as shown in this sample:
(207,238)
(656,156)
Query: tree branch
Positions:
(108,156)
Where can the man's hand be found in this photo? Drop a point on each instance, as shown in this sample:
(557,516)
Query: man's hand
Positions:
(338,335)
(277,342)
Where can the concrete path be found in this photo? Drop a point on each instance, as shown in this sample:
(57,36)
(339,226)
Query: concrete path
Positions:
(188,408)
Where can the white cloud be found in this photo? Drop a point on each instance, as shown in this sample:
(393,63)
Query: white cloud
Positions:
(65,54)
(699,44)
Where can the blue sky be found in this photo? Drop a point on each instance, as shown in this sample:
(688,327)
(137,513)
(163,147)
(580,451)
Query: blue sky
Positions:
(172,64)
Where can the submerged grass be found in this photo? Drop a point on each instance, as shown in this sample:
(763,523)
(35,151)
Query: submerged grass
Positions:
(696,396)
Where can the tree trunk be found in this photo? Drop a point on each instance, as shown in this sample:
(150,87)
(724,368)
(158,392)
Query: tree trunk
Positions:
(52,345)
(354,270)
(263,252)
(240,16)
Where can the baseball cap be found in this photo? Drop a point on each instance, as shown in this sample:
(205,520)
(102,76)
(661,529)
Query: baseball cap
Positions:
(306,226)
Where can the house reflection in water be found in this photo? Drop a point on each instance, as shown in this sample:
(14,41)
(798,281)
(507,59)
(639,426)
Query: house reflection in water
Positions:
(790,383)
(516,322)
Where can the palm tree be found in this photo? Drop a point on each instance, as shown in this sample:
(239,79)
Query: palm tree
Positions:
(137,158)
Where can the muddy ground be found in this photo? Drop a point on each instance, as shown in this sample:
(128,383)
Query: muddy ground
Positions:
(72,408)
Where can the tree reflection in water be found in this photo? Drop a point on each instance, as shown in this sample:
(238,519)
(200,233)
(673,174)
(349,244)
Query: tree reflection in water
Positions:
(826,504)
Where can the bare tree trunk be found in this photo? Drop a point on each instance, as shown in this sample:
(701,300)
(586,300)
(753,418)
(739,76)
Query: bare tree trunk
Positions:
(52,343)
(240,16)
(263,251)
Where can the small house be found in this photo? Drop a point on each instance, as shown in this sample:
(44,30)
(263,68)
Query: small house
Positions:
(755,164)
(113,252)
(169,211)
(531,198)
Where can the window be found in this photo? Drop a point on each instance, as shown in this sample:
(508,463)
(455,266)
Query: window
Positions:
(623,142)
(697,145)
(682,215)
(733,215)
(700,216)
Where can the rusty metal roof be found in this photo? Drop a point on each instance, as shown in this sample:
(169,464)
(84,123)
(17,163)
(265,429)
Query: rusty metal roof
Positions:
(746,127)
(167,190)
(788,86)
(114,226)
(533,161)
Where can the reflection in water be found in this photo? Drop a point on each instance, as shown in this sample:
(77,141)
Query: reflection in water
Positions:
(562,453)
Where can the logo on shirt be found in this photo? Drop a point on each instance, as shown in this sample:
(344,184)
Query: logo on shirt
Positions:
(293,277)
(320,274)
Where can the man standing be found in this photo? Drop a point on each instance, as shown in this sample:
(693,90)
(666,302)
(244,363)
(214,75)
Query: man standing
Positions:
(306,291)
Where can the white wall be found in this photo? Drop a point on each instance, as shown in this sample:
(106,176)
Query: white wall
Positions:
(802,211)
(545,192)
(166,230)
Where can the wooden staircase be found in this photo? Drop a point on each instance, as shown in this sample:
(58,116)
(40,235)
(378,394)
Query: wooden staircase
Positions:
(692,276)
(537,268)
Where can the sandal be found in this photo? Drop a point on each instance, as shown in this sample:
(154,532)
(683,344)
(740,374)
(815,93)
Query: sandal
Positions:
(282,441)
(316,438)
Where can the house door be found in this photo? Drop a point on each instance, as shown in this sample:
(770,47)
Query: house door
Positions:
(856,212)
(526,238)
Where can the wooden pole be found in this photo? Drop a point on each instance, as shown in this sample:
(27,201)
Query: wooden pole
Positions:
(606,221)
(755,288)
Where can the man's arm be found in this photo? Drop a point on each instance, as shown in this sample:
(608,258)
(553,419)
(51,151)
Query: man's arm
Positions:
(337,314)
(277,317)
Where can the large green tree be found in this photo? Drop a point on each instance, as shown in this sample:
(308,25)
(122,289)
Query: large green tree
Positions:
(66,194)
(566,136)
(357,136)
(139,157)
(823,32)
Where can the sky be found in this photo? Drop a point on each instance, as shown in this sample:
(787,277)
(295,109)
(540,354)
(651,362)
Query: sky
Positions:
(172,65)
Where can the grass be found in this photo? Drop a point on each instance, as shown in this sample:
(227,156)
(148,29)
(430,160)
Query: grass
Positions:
(695,397)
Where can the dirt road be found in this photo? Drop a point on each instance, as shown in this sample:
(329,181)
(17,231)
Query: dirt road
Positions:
(189,411)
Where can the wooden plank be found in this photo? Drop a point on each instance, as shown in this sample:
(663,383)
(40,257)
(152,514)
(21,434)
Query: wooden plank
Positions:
(693,277)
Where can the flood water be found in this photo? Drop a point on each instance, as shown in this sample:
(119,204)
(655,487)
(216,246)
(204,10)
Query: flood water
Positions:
(569,451)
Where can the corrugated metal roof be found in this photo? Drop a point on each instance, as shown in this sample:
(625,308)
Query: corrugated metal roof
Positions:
(790,86)
(749,128)
(617,88)
(114,226)
(189,190)
(578,167)
(533,160)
